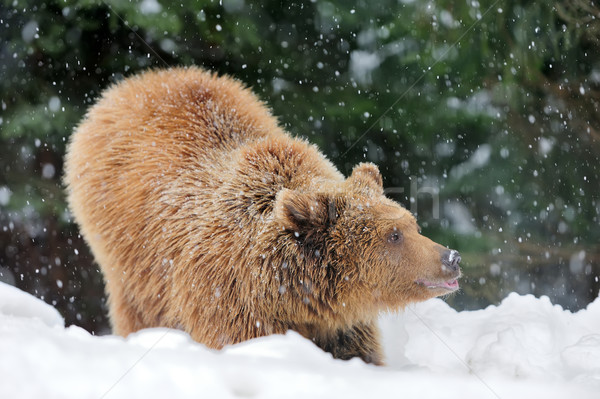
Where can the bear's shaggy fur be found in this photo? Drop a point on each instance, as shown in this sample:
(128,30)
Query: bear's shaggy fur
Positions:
(206,216)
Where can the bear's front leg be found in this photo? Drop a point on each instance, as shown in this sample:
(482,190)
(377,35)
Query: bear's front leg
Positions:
(360,340)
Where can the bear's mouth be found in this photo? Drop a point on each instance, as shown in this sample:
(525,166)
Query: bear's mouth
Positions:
(449,285)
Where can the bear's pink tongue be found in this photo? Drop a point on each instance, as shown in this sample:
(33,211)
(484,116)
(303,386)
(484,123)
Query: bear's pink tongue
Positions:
(449,284)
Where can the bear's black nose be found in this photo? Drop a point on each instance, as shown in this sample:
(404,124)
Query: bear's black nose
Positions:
(451,259)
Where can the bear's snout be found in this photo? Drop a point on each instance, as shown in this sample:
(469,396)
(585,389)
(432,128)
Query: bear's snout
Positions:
(451,259)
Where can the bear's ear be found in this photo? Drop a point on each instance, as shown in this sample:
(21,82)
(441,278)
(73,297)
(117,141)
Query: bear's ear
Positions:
(367,174)
(305,214)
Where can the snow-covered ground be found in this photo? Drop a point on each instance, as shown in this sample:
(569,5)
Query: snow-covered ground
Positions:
(524,348)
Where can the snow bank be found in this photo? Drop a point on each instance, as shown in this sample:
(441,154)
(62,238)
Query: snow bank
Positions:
(523,338)
(14,302)
(524,348)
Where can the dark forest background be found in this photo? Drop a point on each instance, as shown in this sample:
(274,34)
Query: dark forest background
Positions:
(482,115)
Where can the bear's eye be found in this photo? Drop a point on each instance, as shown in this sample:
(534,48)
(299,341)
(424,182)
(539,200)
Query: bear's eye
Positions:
(395,237)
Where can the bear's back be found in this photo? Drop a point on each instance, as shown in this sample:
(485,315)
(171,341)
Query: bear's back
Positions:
(179,106)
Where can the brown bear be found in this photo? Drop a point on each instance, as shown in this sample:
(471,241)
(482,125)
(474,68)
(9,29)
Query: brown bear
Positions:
(206,216)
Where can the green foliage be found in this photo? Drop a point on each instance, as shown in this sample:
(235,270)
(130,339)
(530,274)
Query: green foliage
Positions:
(492,104)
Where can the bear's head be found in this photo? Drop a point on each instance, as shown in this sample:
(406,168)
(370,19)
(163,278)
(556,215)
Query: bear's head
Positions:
(361,251)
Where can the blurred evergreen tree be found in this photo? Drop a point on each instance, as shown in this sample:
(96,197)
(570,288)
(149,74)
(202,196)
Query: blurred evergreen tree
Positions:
(490,107)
